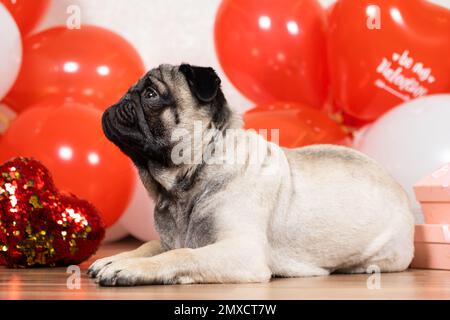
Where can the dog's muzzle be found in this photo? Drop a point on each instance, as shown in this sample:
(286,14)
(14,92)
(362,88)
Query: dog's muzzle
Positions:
(125,113)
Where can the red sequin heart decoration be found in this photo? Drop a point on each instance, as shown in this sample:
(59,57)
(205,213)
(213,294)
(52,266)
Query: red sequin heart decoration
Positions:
(40,226)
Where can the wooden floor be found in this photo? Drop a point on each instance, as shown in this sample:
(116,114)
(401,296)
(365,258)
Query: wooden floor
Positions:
(52,284)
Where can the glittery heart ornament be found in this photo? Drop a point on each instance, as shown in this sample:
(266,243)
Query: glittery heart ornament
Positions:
(40,226)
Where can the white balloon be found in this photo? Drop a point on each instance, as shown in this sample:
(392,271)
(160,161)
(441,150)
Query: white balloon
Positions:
(10,51)
(411,140)
(115,233)
(138,217)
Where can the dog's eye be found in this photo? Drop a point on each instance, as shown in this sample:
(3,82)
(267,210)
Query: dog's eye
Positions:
(150,93)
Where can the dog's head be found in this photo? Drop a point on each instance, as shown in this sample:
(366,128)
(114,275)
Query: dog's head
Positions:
(165,99)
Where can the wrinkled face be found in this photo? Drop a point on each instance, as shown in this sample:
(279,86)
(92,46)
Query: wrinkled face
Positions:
(165,99)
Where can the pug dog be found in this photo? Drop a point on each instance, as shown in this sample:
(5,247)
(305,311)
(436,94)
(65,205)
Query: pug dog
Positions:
(244,209)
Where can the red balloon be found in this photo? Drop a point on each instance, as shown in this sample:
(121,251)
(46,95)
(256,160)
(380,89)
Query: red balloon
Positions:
(385,52)
(90,65)
(274,50)
(298,125)
(69,141)
(27,13)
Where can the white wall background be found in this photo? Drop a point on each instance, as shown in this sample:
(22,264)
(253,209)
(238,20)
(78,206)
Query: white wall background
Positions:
(163,31)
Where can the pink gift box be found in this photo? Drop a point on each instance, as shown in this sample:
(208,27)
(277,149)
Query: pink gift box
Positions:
(433,193)
(432,247)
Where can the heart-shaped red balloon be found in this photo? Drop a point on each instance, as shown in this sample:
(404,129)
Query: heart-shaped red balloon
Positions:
(385,52)
(40,226)
(274,50)
(297,125)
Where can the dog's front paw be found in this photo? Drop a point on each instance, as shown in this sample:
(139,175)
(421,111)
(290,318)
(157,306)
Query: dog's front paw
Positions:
(99,264)
(128,272)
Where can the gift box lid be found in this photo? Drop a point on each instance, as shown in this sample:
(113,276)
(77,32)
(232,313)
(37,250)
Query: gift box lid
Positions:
(432,233)
(434,187)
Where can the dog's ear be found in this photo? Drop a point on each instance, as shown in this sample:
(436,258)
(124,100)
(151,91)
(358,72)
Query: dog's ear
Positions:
(203,81)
